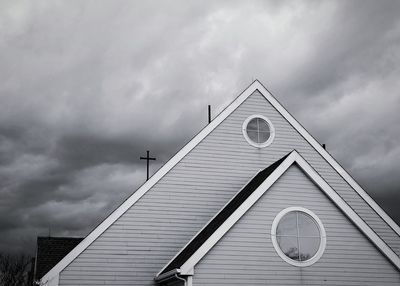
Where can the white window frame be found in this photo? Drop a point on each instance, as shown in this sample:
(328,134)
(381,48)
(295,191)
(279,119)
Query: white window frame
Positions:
(271,131)
(322,232)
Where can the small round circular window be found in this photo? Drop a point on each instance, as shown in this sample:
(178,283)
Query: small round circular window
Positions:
(298,236)
(258,131)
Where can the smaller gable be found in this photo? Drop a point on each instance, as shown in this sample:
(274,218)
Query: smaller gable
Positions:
(247,251)
(221,217)
(183,263)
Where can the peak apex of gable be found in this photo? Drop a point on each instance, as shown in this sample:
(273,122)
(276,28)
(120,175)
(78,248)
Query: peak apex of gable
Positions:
(257,85)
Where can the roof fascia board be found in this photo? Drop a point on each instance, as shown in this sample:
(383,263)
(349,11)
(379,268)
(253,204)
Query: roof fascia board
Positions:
(150,183)
(167,275)
(363,194)
(256,85)
(53,281)
(350,213)
(159,274)
(236,215)
(319,181)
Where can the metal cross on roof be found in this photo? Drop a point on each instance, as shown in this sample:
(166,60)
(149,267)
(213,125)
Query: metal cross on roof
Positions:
(148,158)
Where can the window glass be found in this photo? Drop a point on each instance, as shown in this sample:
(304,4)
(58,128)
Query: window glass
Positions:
(298,235)
(252,125)
(287,225)
(253,135)
(263,137)
(307,225)
(262,125)
(258,131)
(288,245)
(308,247)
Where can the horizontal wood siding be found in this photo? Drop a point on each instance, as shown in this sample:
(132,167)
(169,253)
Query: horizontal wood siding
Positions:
(151,232)
(246,256)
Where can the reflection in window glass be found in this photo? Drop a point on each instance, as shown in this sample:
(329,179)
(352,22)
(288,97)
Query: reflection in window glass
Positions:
(253,135)
(253,124)
(298,236)
(263,136)
(309,247)
(307,225)
(288,245)
(287,225)
(262,125)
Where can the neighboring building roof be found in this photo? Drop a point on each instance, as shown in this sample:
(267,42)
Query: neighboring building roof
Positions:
(256,85)
(50,250)
(220,218)
(184,262)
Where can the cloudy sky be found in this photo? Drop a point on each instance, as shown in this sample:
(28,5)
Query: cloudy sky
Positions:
(88,86)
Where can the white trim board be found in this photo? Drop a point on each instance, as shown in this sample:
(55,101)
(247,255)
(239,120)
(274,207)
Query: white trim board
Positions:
(256,85)
(321,230)
(159,274)
(149,184)
(294,157)
(346,176)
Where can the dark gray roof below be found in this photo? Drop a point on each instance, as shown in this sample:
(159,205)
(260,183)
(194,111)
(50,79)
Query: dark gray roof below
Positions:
(50,250)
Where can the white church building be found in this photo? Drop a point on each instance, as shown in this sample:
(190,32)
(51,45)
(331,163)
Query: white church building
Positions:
(252,199)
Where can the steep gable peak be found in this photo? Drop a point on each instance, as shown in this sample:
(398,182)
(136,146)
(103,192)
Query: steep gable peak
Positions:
(52,275)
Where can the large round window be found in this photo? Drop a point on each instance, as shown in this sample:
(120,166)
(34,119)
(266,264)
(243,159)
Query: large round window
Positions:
(298,236)
(258,131)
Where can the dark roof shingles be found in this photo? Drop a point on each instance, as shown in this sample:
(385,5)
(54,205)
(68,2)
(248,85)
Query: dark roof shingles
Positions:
(219,219)
(50,250)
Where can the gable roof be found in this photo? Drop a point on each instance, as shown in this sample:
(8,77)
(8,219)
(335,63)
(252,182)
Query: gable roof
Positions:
(256,85)
(184,262)
(220,218)
(50,250)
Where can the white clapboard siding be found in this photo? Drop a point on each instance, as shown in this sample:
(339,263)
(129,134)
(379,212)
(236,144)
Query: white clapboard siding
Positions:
(169,214)
(245,254)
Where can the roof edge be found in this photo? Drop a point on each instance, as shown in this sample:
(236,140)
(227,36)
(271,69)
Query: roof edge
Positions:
(53,274)
(167,275)
(341,171)
(218,218)
(131,200)
(187,267)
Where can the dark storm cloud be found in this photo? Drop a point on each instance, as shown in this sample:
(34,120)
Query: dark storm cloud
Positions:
(87,87)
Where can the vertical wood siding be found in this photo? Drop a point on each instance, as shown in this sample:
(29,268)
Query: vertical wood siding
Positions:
(246,256)
(153,230)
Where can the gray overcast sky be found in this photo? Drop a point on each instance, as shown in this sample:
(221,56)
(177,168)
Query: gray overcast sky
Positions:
(88,86)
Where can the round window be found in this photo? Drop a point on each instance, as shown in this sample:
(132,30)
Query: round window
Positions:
(258,131)
(298,236)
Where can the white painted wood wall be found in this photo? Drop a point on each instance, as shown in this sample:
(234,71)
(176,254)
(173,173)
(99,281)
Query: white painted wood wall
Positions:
(150,233)
(246,256)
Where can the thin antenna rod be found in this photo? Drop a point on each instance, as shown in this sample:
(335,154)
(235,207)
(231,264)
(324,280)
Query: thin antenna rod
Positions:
(209,113)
